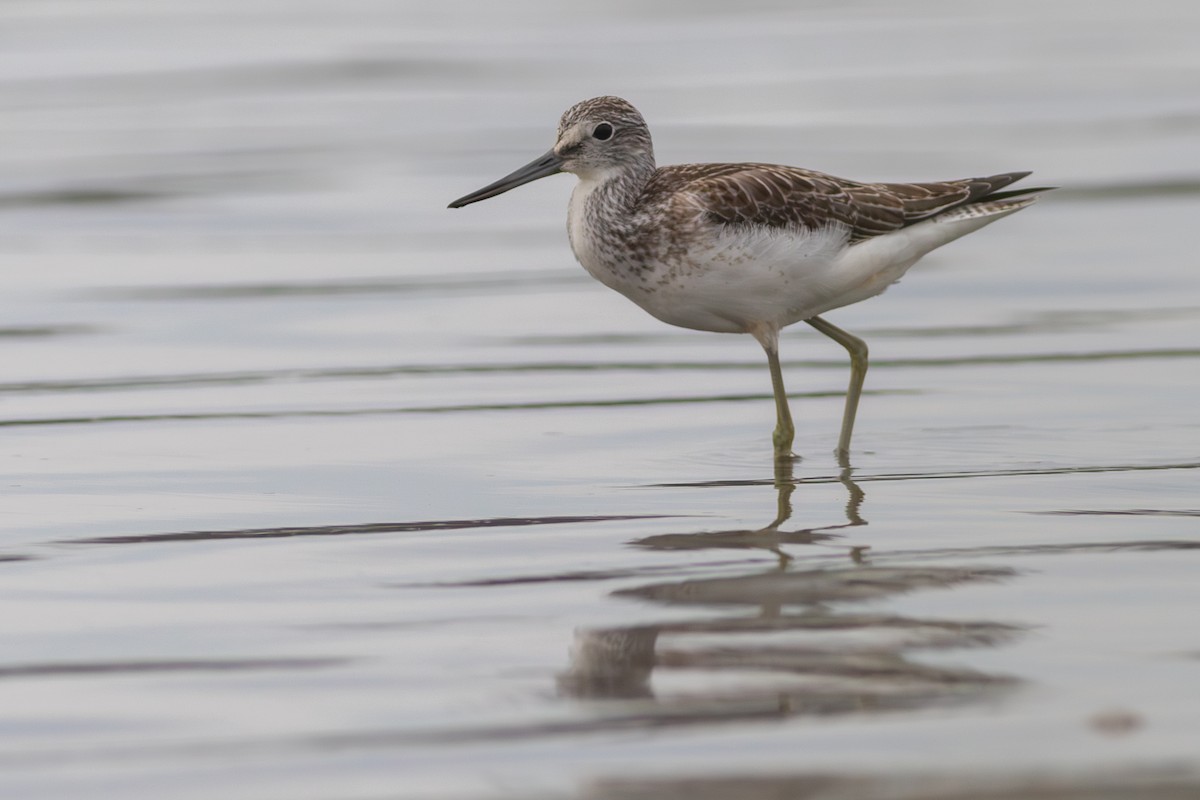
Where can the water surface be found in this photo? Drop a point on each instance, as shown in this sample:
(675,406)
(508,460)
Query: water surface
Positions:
(313,488)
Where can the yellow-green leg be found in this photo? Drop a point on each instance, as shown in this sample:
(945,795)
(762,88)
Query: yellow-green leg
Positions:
(857,349)
(785,431)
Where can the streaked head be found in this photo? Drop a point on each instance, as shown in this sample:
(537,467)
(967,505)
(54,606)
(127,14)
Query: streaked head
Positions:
(597,138)
(602,135)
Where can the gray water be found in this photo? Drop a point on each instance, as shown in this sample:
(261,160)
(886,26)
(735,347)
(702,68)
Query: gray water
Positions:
(315,489)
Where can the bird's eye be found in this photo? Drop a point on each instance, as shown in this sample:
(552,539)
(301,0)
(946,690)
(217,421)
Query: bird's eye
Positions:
(603,131)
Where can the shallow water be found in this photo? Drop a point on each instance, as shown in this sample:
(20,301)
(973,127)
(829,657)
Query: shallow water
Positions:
(313,488)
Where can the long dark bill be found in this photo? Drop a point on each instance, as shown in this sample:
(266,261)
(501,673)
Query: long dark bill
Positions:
(546,165)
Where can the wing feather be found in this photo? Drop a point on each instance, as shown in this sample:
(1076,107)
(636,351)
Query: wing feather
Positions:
(771,196)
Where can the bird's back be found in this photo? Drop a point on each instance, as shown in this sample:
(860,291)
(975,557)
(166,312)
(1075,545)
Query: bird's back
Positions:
(774,196)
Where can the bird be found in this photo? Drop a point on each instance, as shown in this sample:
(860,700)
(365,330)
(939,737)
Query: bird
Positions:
(748,247)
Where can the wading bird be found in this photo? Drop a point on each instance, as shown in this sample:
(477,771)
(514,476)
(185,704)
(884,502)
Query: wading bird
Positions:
(747,248)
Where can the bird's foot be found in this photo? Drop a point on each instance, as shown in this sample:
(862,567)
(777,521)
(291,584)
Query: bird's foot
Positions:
(783,448)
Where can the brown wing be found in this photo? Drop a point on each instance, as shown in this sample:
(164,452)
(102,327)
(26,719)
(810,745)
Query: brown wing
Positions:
(789,197)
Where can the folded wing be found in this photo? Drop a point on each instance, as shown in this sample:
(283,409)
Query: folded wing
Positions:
(770,196)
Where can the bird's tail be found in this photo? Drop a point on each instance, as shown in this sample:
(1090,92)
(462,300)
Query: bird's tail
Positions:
(1015,193)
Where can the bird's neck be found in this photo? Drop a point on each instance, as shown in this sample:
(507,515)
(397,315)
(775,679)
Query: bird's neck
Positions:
(600,219)
(612,193)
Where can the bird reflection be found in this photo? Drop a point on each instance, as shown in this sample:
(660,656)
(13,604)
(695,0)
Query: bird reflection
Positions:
(779,642)
(771,537)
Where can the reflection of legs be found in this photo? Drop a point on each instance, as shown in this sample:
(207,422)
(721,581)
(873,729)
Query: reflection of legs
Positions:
(854,496)
(785,431)
(857,349)
(785,484)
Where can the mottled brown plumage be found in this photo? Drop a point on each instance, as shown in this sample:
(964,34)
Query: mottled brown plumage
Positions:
(776,196)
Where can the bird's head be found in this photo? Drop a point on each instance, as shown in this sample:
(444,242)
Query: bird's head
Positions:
(597,139)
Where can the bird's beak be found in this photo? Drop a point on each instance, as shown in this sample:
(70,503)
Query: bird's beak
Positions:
(546,165)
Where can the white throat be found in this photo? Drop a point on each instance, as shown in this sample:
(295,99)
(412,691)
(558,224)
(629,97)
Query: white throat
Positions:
(579,223)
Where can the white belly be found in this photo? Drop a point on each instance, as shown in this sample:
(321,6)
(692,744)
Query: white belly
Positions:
(728,284)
